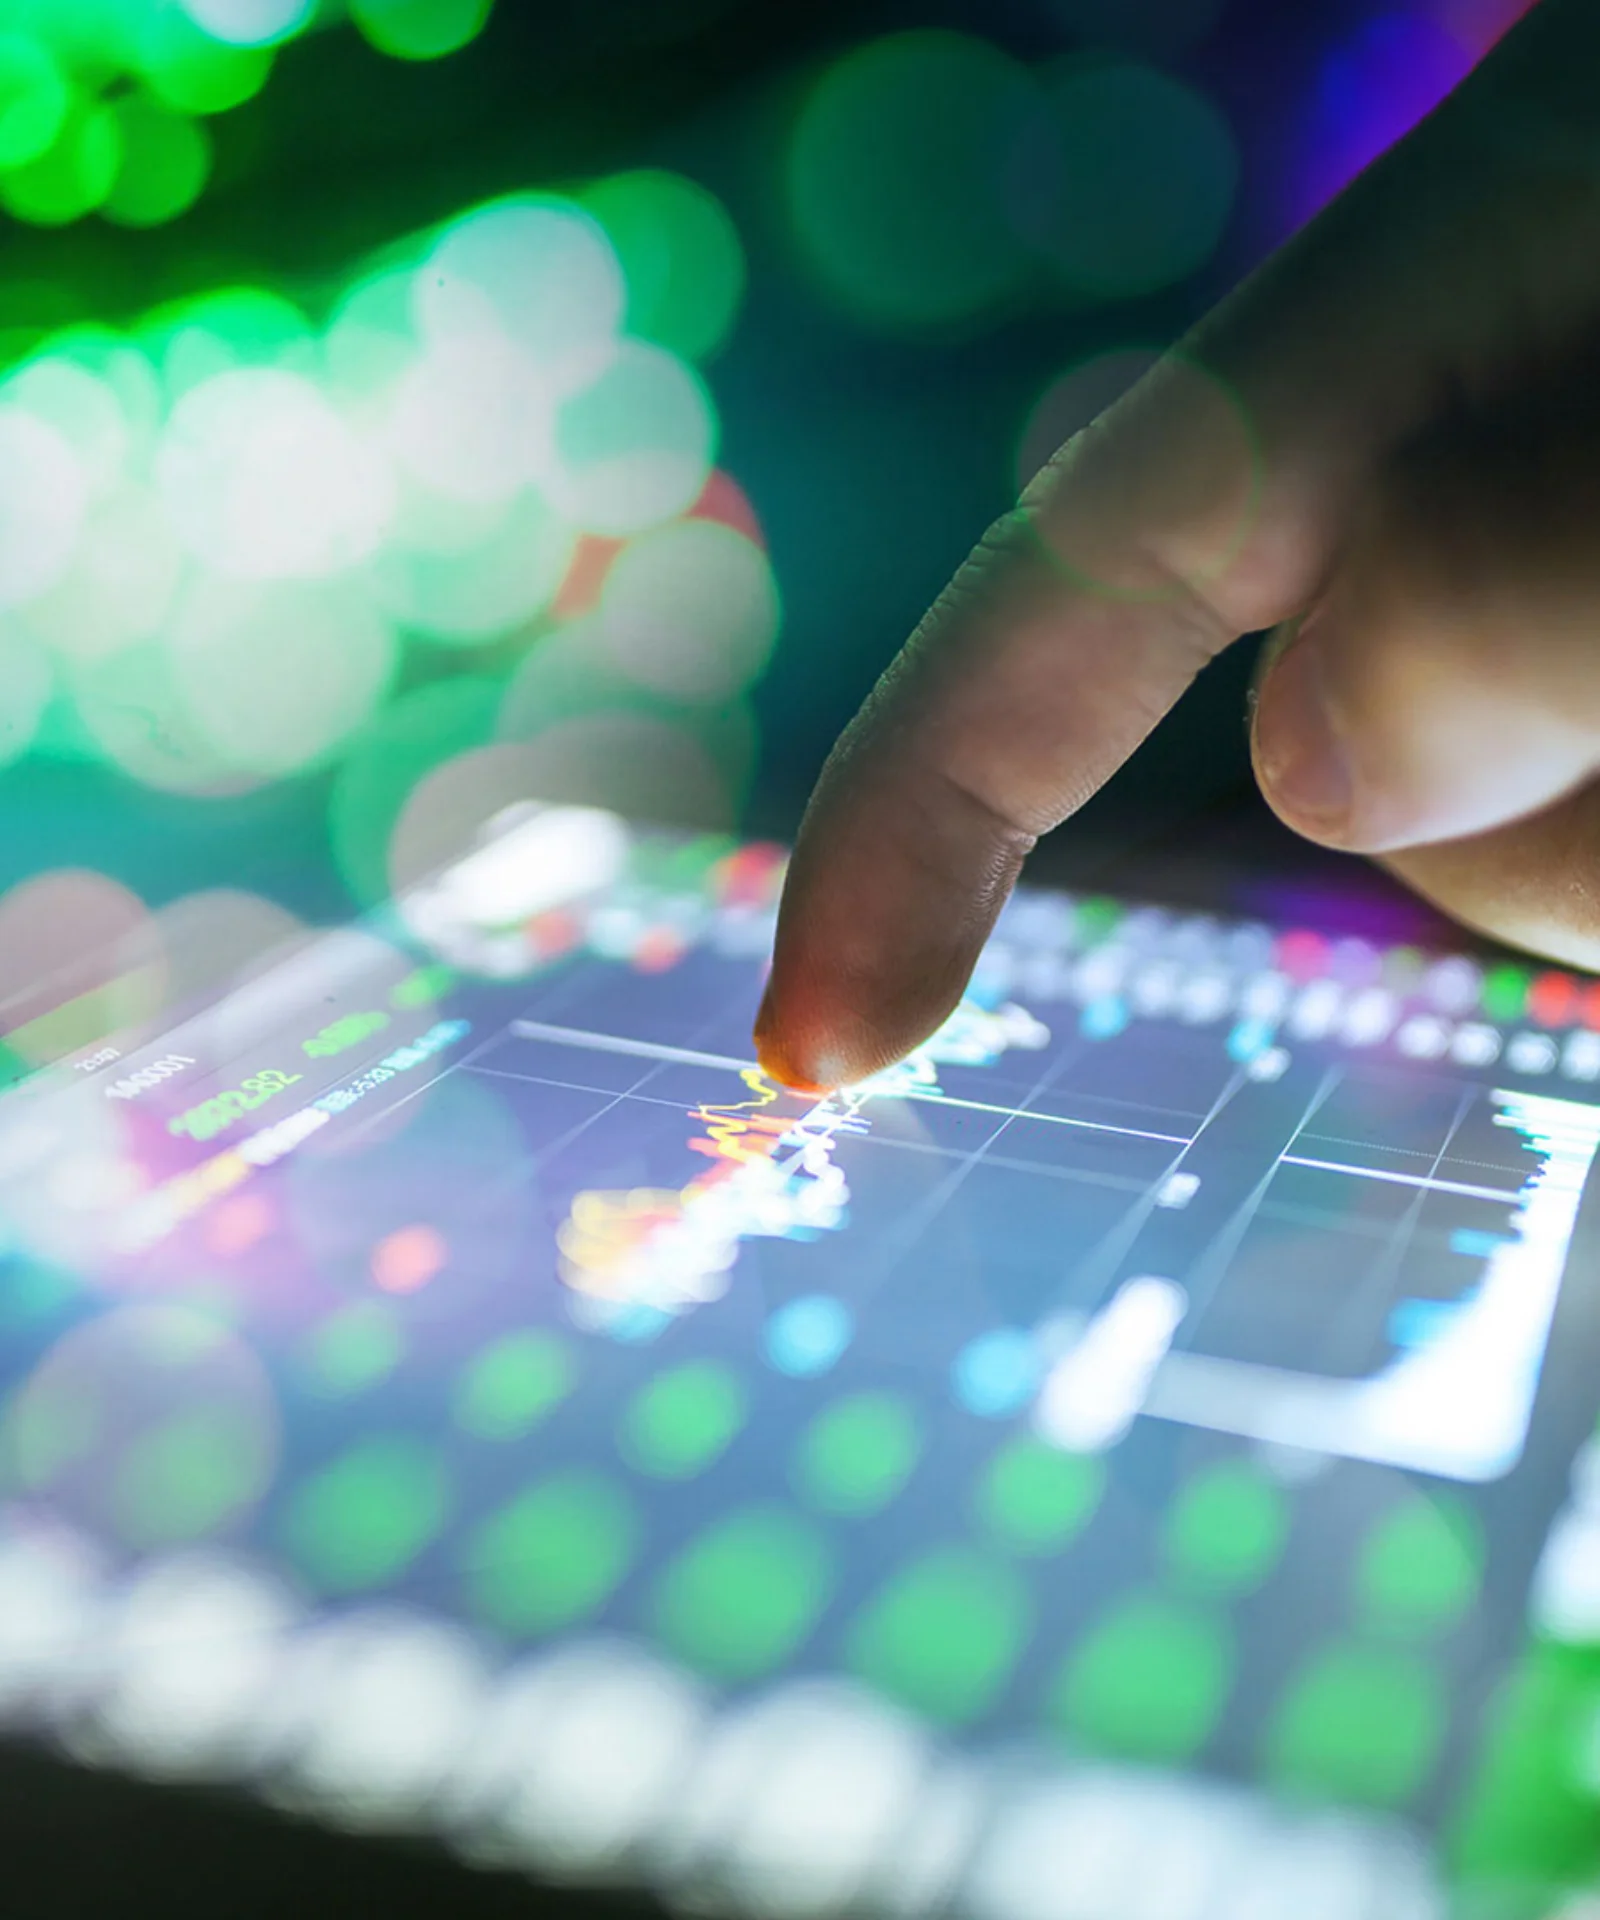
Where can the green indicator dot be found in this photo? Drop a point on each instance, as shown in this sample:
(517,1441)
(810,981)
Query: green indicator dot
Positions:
(857,1454)
(354,1349)
(743,1596)
(1227,1528)
(1150,1681)
(74,174)
(682,1420)
(166,158)
(510,1387)
(420,29)
(1036,1499)
(944,1634)
(1096,920)
(1505,992)
(553,1554)
(1359,1724)
(424,987)
(35,96)
(366,1517)
(1421,1566)
(1527,1818)
(680,255)
(189,1475)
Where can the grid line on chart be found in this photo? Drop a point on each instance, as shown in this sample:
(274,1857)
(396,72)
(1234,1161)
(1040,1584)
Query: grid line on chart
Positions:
(1499,1194)
(1211,1264)
(1094,1272)
(1386,1267)
(686,1056)
(598,1043)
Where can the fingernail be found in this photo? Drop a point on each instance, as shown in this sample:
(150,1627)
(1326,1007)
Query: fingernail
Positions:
(1299,757)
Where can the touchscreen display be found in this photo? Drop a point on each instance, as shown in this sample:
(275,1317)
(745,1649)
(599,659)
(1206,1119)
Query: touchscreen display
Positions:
(1129,1460)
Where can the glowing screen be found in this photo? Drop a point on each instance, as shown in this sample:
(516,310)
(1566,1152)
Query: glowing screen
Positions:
(446,1384)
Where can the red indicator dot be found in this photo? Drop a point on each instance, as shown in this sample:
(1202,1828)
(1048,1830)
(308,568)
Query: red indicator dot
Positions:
(1554,1000)
(1301,954)
(408,1258)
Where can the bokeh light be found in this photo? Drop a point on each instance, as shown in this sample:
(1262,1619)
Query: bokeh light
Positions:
(277,677)
(690,609)
(641,765)
(534,272)
(680,254)
(99,99)
(568,677)
(420,29)
(421,730)
(417,1189)
(165,162)
(61,935)
(153,1424)
(42,497)
(264,481)
(1136,187)
(1070,402)
(35,96)
(636,446)
(73,175)
(1372,86)
(480,588)
(1216,500)
(183,66)
(901,172)
(249,23)
(126,565)
(229,533)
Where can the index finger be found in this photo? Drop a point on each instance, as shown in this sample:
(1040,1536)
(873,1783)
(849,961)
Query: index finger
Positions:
(1207,503)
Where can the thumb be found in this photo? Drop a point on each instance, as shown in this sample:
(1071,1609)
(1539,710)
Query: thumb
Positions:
(1446,680)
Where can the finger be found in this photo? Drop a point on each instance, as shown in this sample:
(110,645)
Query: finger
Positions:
(1210,501)
(1447,679)
(1533,884)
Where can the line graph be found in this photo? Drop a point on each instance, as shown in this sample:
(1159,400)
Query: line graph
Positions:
(1300,1306)
(692,1057)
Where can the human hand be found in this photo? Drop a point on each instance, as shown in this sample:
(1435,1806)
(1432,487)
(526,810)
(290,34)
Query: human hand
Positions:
(1386,444)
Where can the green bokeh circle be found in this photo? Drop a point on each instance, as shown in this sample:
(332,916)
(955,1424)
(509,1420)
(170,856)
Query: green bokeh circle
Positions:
(166,160)
(1141,180)
(420,29)
(900,176)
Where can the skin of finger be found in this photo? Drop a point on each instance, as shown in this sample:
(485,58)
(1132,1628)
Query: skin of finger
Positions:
(1008,720)
(910,847)
(1455,640)
(1534,884)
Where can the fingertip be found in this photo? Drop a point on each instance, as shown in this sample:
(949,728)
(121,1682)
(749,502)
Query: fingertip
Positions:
(784,1059)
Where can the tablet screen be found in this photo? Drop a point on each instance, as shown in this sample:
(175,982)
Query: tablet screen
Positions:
(1127,1460)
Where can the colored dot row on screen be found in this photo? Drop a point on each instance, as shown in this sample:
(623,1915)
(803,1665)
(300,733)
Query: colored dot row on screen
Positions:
(1224,1533)
(944,1633)
(1452,985)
